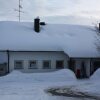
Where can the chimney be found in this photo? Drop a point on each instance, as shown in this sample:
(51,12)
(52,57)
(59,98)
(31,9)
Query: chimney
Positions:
(37,24)
(42,23)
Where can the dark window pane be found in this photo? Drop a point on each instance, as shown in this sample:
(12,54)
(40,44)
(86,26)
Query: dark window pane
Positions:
(59,64)
(18,64)
(32,65)
(46,64)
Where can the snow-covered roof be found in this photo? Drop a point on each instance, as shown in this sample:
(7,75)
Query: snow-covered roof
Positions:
(74,40)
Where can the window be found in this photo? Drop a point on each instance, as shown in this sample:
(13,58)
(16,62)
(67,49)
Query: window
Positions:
(18,65)
(33,64)
(46,64)
(59,64)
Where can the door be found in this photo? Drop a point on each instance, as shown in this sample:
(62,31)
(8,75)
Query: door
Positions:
(83,70)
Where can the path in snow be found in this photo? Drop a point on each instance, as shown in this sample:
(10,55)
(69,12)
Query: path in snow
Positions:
(69,92)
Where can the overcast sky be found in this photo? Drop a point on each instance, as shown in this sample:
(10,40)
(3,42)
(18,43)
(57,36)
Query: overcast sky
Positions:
(33,8)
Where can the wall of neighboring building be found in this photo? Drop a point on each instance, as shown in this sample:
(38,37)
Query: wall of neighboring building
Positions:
(25,57)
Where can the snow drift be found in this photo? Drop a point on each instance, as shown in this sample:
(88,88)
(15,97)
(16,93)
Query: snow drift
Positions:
(96,75)
(58,76)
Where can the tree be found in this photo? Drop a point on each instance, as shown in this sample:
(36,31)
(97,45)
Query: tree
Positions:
(97,37)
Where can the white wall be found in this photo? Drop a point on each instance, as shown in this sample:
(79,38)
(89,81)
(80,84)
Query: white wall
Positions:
(39,56)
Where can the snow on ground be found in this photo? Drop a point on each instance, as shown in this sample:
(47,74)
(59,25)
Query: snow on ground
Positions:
(96,75)
(29,86)
(89,86)
(39,77)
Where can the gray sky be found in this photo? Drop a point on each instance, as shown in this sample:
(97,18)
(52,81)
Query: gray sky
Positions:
(33,8)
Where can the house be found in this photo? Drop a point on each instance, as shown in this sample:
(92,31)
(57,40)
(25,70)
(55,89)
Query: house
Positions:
(41,47)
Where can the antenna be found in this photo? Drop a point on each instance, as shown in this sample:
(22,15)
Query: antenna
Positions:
(19,10)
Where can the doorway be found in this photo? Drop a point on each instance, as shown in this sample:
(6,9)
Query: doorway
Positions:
(71,64)
(96,65)
(83,70)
